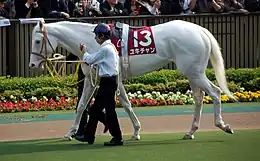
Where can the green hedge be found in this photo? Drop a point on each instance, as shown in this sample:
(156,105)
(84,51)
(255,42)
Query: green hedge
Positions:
(163,76)
(162,81)
(177,86)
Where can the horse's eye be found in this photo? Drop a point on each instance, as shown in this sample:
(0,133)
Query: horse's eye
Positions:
(37,41)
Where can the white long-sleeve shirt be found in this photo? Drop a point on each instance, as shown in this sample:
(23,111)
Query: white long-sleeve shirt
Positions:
(106,58)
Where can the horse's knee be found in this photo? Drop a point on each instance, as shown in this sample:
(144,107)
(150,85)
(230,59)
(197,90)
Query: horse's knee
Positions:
(216,100)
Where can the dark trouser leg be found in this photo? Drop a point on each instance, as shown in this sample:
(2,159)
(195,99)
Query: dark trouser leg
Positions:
(111,115)
(105,98)
(101,116)
(94,114)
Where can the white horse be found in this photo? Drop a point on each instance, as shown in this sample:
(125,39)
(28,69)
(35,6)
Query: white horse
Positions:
(189,45)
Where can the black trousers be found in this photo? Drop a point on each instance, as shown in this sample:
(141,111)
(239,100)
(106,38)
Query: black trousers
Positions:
(105,98)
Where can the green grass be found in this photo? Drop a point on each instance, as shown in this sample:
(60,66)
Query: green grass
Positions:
(251,104)
(207,146)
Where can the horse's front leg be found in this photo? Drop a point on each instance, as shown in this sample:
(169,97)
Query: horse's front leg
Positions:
(198,95)
(85,97)
(123,99)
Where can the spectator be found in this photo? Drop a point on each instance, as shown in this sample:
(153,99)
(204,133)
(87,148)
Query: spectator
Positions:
(143,7)
(185,8)
(113,8)
(234,6)
(27,9)
(206,6)
(54,8)
(252,5)
(73,9)
(3,12)
(10,8)
(169,7)
(88,8)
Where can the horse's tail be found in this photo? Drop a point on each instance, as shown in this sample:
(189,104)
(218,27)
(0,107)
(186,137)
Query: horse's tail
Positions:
(217,62)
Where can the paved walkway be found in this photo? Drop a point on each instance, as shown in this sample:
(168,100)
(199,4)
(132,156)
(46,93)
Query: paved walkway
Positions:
(166,120)
(62,116)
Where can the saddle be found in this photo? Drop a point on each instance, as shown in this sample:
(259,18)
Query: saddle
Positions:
(118,27)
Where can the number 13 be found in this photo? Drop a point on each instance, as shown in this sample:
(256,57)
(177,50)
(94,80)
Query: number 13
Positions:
(142,43)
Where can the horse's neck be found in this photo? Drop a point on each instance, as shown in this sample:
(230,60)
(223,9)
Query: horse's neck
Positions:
(70,35)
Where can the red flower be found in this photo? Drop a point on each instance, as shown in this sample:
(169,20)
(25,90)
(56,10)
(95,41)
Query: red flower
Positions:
(40,105)
(179,102)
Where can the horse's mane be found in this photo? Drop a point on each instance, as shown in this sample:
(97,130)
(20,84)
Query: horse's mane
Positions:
(71,23)
(67,23)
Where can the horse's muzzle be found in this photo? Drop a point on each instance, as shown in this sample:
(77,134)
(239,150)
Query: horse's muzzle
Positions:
(32,65)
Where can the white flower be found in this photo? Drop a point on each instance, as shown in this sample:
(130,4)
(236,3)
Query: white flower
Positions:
(33,99)
(147,95)
(153,92)
(170,93)
(189,92)
(138,92)
(139,96)
(45,98)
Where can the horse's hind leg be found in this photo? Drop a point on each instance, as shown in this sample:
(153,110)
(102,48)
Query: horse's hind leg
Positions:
(123,99)
(198,95)
(217,112)
(214,92)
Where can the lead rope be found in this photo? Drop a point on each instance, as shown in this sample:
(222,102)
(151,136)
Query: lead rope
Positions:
(96,75)
(59,58)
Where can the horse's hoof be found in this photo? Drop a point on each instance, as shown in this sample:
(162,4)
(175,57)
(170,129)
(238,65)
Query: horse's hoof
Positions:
(67,138)
(188,137)
(135,137)
(228,129)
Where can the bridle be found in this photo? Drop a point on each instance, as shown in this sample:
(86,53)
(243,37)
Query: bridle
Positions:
(45,39)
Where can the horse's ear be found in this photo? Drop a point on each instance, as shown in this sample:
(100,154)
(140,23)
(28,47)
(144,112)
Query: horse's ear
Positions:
(40,24)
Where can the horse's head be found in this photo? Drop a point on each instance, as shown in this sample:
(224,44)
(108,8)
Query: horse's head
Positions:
(44,44)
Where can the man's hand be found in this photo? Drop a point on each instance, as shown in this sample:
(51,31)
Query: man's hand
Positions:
(157,4)
(135,13)
(35,4)
(65,14)
(82,47)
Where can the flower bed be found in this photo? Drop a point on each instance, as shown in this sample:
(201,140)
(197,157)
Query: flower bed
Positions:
(157,99)
(14,104)
(34,104)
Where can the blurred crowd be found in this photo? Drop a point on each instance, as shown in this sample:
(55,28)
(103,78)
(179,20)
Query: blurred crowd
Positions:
(97,8)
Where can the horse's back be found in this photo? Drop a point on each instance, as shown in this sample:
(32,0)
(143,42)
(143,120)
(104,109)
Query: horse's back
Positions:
(181,42)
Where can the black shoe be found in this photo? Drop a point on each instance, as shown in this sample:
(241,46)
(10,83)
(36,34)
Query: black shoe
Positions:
(114,142)
(84,138)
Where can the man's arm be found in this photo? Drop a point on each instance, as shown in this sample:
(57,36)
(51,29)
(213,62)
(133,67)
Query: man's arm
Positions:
(94,58)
